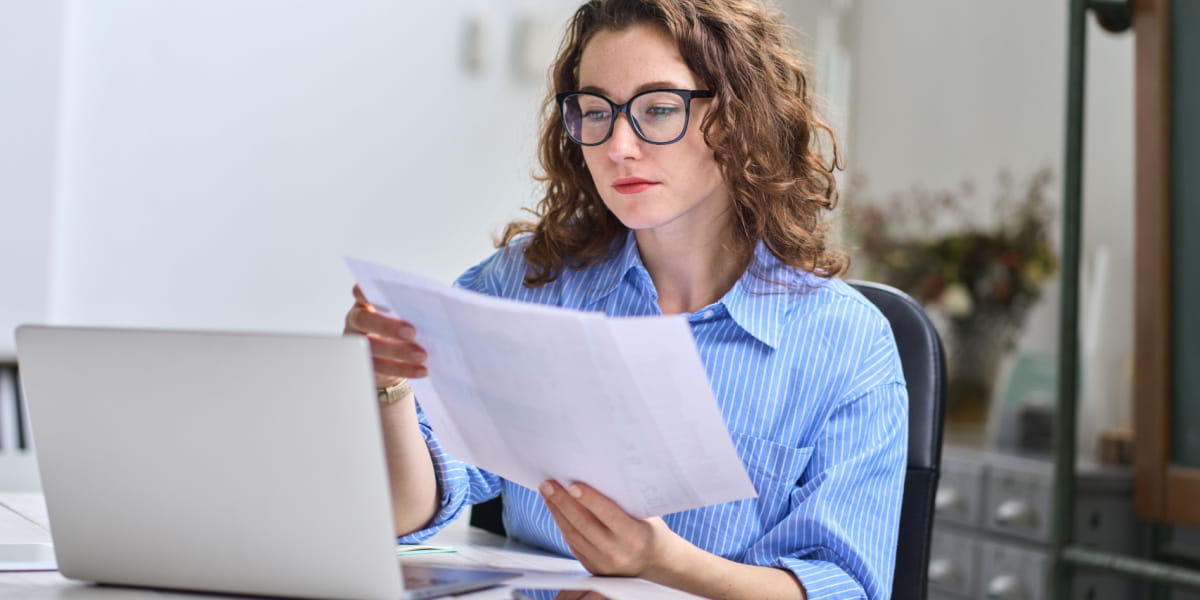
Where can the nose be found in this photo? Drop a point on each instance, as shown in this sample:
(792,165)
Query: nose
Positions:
(624,142)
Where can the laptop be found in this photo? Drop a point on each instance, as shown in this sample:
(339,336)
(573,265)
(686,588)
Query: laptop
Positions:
(218,462)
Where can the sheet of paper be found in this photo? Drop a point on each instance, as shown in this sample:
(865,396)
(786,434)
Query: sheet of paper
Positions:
(413,550)
(533,392)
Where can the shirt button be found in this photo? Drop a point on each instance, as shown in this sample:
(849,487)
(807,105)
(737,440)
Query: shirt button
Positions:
(706,314)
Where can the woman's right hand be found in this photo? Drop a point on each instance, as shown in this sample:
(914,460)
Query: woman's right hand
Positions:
(394,350)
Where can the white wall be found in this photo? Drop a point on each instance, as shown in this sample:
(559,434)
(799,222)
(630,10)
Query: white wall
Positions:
(217,159)
(947,91)
(207,164)
(30,37)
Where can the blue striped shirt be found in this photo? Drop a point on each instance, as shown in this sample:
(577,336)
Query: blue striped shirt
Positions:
(809,382)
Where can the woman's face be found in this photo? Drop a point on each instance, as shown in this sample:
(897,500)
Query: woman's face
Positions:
(676,188)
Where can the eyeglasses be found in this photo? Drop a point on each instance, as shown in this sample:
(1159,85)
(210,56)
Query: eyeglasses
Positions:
(657,116)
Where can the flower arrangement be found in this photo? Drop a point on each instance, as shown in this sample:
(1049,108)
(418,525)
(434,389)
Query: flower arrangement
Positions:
(978,280)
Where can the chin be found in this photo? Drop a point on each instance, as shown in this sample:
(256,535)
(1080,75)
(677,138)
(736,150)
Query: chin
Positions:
(640,221)
(642,216)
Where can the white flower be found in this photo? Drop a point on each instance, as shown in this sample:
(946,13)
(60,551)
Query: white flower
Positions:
(956,300)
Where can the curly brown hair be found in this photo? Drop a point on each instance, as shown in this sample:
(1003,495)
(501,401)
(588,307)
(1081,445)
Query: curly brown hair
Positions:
(763,129)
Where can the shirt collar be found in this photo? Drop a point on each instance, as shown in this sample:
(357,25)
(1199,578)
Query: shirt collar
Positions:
(762,299)
(612,271)
(759,302)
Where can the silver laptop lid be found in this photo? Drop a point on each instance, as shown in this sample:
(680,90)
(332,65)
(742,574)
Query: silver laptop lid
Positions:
(248,463)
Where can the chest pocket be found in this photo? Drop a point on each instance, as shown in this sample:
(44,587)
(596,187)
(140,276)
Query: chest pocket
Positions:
(775,470)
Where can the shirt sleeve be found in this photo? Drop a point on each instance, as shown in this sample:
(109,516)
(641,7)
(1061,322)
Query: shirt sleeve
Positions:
(501,274)
(459,484)
(846,507)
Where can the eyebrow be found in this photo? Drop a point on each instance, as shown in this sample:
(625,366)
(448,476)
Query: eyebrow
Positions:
(653,85)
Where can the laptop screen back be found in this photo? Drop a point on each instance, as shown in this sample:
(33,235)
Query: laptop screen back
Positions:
(245,463)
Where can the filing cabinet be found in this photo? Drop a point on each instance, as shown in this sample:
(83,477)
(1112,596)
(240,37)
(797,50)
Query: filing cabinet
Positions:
(1013,572)
(1019,500)
(952,563)
(960,489)
(994,521)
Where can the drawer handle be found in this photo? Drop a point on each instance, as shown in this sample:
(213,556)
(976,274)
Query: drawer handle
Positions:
(947,499)
(1014,512)
(941,570)
(1005,587)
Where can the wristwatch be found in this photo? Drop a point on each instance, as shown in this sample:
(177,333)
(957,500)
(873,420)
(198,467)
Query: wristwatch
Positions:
(393,394)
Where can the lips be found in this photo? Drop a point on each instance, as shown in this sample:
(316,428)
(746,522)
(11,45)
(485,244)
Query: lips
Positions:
(632,185)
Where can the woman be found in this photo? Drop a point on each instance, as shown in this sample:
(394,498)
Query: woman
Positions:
(682,175)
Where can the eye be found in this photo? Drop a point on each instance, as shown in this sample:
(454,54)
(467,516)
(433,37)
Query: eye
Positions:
(662,111)
(596,116)
(659,107)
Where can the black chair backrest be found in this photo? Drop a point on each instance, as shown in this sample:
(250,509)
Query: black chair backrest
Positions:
(924,363)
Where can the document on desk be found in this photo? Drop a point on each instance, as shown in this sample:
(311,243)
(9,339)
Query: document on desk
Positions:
(533,392)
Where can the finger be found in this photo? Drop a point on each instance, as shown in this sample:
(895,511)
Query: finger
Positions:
(390,369)
(606,512)
(361,299)
(352,317)
(580,518)
(404,352)
(366,321)
(583,549)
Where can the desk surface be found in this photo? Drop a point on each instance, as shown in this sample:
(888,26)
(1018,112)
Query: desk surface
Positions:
(23,520)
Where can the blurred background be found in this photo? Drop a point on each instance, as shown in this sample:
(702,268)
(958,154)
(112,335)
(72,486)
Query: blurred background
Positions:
(208,164)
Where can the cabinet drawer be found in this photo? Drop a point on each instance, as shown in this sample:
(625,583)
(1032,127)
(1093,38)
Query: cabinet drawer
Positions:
(952,563)
(1018,502)
(1008,572)
(960,491)
(934,595)
(1093,585)
(1105,522)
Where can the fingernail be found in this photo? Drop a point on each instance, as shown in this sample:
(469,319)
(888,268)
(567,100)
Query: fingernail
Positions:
(575,490)
(547,489)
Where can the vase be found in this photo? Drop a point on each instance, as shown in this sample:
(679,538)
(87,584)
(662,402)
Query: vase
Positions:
(976,344)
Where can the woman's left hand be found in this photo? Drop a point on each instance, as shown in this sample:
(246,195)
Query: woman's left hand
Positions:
(605,538)
(610,542)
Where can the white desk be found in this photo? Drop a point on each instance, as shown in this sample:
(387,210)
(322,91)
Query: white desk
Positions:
(23,520)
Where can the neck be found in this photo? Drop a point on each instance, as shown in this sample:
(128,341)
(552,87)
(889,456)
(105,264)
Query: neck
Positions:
(690,271)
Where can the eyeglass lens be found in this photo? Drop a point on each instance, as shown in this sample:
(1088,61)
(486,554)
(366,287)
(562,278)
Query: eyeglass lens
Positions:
(659,117)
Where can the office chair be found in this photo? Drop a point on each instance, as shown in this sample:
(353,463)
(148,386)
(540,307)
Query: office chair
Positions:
(923,361)
(924,364)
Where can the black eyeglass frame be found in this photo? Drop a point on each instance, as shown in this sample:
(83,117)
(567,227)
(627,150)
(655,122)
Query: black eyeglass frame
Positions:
(618,109)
